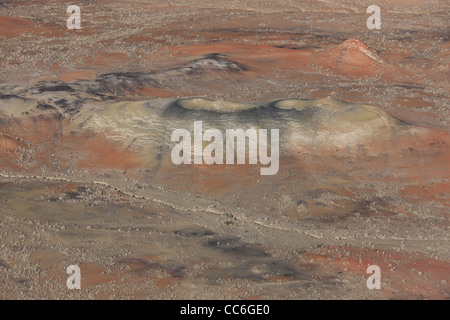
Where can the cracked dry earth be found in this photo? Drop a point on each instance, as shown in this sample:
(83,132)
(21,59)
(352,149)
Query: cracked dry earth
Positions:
(86,176)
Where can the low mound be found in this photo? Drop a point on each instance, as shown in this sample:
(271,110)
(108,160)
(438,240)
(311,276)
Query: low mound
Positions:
(330,123)
(350,58)
(214,105)
(320,127)
(9,144)
(305,126)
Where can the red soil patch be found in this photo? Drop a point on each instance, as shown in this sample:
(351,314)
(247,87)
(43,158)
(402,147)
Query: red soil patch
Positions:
(36,129)
(92,275)
(402,274)
(38,133)
(351,58)
(438,192)
(166,282)
(9,144)
(15,26)
(96,151)
(44,135)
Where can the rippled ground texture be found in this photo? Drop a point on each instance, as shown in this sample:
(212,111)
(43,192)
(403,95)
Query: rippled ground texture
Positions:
(86,118)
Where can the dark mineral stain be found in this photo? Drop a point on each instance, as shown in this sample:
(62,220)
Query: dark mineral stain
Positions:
(257,270)
(72,195)
(4,264)
(233,247)
(55,87)
(143,266)
(43,106)
(194,231)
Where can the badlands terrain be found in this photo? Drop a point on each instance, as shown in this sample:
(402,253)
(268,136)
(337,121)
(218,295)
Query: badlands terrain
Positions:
(86,176)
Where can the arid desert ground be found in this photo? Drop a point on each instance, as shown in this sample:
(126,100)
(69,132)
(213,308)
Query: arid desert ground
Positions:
(87,178)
